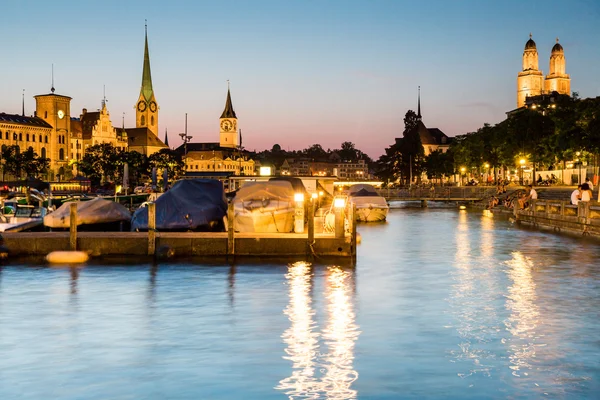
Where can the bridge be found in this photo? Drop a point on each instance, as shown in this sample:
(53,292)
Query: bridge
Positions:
(438,193)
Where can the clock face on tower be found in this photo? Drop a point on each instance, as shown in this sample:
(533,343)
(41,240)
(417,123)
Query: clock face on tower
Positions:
(226,125)
(61,114)
(152,106)
(141,106)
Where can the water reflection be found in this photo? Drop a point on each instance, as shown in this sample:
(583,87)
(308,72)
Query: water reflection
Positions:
(472,296)
(301,339)
(340,336)
(316,375)
(524,314)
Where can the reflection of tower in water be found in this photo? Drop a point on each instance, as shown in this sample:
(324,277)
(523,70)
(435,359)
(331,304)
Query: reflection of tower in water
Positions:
(302,339)
(524,313)
(340,336)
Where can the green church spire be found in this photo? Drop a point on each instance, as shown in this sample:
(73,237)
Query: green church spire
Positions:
(146,76)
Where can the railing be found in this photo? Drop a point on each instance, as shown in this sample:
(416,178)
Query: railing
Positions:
(438,193)
(559,214)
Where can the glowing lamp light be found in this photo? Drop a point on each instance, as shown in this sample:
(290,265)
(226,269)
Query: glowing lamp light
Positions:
(265,171)
(339,202)
(298,197)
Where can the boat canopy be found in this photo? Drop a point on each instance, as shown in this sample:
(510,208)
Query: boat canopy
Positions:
(191,204)
(362,190)
(265,191)
(96,211)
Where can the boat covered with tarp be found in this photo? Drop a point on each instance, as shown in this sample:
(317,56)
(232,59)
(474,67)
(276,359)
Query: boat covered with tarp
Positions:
(96,215)
(264,207)
(370,206)
(190,205)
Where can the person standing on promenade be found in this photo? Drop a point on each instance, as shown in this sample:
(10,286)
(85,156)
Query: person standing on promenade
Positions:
(576,195)
(532,193)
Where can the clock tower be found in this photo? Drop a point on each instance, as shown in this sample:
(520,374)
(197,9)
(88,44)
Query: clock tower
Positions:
(55,109)
(228,125)
(146,108)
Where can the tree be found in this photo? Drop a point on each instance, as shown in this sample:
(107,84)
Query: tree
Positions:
(32,164)
(99,162)
(166,159)
(12,161)
(411,147)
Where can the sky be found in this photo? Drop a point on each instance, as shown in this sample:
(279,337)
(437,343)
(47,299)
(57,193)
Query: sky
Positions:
(300,72)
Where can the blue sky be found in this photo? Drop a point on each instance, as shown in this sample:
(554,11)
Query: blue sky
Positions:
(301,72)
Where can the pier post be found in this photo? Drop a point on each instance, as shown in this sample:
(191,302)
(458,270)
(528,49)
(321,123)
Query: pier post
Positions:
(339,222)
(151,228)
(73,226)
(353,232)
(311,228)
(230,237)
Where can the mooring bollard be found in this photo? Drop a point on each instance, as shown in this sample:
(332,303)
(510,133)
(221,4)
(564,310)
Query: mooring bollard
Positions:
(73,226)
(230,237)
(151,228)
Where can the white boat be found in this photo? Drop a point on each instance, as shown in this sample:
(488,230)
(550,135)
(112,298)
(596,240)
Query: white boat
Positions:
(370,206)
(264,207)
(24,218)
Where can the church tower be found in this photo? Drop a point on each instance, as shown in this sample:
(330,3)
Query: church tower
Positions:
(146,109)
(228,125)
(557,79)
(530,80)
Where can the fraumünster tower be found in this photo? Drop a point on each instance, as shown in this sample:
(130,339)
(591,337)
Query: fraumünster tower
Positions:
(146,108)
(530,81)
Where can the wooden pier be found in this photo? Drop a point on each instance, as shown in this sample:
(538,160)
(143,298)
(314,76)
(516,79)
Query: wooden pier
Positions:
(182,244)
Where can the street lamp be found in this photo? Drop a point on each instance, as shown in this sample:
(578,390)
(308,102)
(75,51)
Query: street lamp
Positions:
(578,163)
(522,162)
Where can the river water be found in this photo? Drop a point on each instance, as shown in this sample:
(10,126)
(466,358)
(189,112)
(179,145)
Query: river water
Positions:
(442,304)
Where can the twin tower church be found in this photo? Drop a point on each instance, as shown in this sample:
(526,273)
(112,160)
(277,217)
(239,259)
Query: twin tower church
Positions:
(531,81)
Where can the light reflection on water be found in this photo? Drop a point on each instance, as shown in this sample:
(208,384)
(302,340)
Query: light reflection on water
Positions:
(442,304)
(315,374)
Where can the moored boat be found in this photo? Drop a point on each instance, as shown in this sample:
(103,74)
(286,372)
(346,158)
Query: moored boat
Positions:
(370,206)
(190,205)
(92,215)
(264,207)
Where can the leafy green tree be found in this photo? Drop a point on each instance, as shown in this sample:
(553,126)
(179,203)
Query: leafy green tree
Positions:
(439,164)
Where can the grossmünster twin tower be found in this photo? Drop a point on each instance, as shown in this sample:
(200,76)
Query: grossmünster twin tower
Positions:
(531,81)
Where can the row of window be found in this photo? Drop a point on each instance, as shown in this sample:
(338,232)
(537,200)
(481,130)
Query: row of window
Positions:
(18,149)
(229,167)
(28,138)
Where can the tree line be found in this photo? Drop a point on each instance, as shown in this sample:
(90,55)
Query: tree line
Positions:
(546,136)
